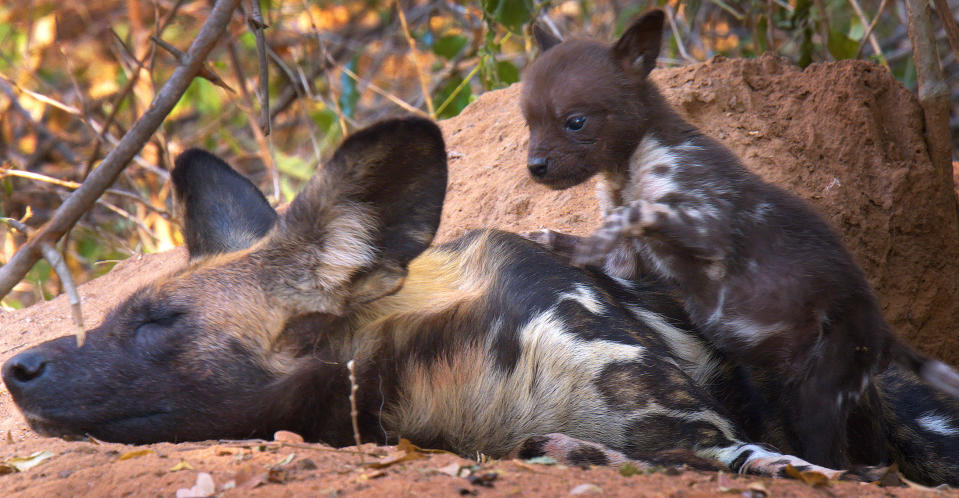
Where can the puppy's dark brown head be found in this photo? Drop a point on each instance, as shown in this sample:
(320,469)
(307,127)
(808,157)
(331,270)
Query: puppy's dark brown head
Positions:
(586,103)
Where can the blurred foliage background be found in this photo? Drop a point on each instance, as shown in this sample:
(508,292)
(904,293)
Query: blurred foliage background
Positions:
(75,75)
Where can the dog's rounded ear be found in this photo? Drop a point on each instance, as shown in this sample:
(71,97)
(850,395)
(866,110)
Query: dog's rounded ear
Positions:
(637,49)
(544,38)
(221,210)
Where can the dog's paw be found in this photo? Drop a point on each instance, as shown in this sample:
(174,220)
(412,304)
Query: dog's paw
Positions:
(544,237)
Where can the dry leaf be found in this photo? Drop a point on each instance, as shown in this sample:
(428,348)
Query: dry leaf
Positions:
(407,446)
(289,458)
(134,454)
(249,477)
(203,488)
(809,477)
(586,489)
(183,465)
(452,469)
(405,457)
(287,437)
(23,464)
(371,475)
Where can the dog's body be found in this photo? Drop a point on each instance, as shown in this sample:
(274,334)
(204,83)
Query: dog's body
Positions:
(761,274)
(489,344)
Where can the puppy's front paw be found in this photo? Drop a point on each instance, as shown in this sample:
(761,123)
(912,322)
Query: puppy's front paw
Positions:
(544,237)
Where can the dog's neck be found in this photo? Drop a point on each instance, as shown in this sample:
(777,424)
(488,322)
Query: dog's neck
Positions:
(656,122)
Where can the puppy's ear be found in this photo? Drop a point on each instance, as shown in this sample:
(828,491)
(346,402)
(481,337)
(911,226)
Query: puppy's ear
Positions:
(637,49)
(221,210)
(544,38)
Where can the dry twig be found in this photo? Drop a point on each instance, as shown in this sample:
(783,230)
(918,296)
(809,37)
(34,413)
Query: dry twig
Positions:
(872,38)
(351,366)
(59,266)
(949,24)
(111,166)
(256,24)
(933,90)
(424,87)
(872,26)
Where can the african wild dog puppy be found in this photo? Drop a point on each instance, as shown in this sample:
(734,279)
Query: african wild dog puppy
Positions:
(488,344)
(761,274)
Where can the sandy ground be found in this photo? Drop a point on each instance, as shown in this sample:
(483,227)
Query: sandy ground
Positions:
(843,135)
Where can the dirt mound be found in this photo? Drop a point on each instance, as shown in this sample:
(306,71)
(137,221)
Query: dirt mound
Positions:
(844,135)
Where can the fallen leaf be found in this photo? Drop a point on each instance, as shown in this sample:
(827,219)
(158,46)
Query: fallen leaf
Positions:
(586,489)
(542,460)
(405,457)
(628,470)
(249,477)
(485,479)
(134,454)
(812,478)
(407,446)
(371,475)
(452,470)
(277,475)
(287,437)
(183,465)
(23,464)
(203,488)
(289,458)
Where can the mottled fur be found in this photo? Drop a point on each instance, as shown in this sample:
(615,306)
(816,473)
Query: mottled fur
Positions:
(489,344)
(761,274)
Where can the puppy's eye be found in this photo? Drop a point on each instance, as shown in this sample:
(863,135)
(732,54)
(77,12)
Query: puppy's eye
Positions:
(576,123)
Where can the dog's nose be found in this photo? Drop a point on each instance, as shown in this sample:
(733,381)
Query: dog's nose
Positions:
(538,166)
(24,368)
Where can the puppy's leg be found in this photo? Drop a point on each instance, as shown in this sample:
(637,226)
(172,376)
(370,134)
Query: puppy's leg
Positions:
(560,243)
(685,228)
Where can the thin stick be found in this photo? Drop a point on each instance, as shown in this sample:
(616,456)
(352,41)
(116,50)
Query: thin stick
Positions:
(933,90)
(29,175)
(872,26)
(424,87)
(350,365)
(111,166)
(59,266)
(949,24)
(872,39)
(392,98)
(679,40)
(256,24)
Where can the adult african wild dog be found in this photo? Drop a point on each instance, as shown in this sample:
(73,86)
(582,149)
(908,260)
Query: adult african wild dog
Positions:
(487,344)
(762,275)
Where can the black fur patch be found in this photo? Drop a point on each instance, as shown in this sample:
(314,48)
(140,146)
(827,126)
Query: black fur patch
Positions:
(587,455)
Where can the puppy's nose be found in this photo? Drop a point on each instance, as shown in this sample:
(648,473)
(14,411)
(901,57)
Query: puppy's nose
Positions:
(538,166)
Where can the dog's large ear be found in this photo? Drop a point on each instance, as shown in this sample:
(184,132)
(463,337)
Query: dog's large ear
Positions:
(221,210)
(637,49)
(349,235)
(544,38)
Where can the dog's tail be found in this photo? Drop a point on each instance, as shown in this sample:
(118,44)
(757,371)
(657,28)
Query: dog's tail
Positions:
(934,372)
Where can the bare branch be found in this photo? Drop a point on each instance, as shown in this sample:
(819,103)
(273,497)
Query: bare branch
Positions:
(933,90)
(415,59)
(872,38)
(111,166)
(59,266)
(872,26)
(949,24)
(256,24)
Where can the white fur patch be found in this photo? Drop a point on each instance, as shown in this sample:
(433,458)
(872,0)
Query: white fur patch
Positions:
(751,333)
(695,360)
(584,296)
(937,424)
(551,388)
